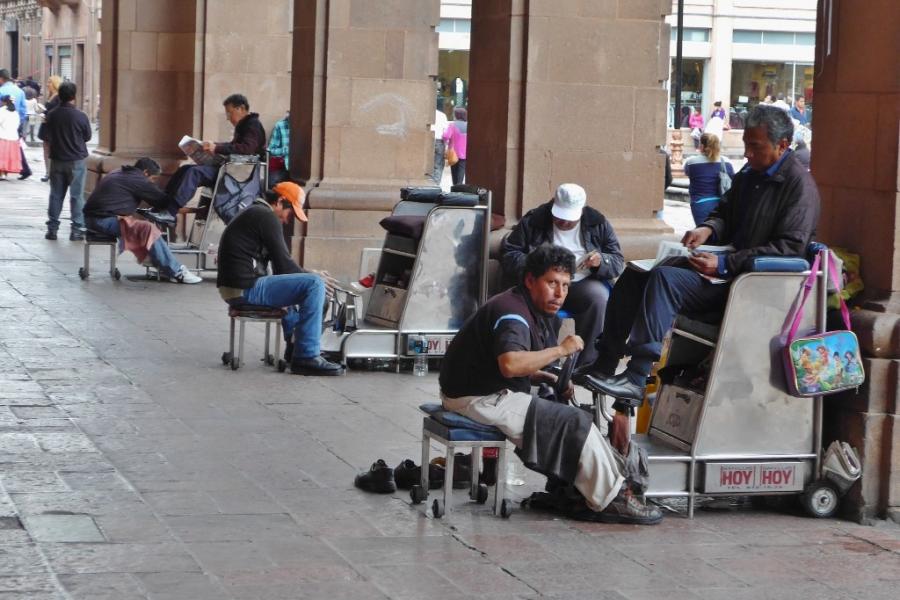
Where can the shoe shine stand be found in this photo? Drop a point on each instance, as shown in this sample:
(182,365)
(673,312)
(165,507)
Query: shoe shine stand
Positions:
(743,434)
(424,287)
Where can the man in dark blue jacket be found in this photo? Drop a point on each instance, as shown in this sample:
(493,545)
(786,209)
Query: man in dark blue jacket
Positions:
(565,221)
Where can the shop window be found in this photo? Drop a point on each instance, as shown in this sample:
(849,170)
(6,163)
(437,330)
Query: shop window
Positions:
(743,36)
(778,37)
(691,34)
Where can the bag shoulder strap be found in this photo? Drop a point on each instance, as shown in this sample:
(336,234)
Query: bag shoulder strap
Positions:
(807,288)
(838,284)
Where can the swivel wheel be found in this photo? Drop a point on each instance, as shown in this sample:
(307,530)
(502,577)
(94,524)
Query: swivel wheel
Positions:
(820,499)
(418,494)
(282,365)
(234,363)
(505,508)
(482,494)
(437,509)
(226,358)
(117,275)
(269,360)
(82,273)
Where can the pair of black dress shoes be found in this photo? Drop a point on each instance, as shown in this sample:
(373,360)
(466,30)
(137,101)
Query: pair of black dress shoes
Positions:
(382,479)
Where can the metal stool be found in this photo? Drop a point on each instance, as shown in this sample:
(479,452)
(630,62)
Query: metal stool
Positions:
(254,314)
(456,431)
(95,238)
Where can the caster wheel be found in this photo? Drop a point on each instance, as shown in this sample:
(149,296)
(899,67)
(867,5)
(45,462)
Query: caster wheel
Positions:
(226,358)
(505,508)
(234,363)
(270,360)
(117,275)
(820,499)
(437,509)
(418,494)
(282,365)
(82,273)
(482,494)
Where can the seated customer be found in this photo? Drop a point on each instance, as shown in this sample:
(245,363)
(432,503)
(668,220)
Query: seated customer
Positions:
(487,373)
(117,196)
(249,138)
(250,241)
(566,221)
(771,210)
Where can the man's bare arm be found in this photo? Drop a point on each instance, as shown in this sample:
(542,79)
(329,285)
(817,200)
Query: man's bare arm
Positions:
(524,363)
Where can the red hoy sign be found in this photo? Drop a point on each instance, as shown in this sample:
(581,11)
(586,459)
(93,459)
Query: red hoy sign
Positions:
(754,477)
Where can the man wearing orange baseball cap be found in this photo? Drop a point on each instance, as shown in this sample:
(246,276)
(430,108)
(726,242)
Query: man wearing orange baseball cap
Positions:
(252,240)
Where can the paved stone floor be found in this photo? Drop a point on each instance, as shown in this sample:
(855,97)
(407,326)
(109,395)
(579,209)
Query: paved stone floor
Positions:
(134,465)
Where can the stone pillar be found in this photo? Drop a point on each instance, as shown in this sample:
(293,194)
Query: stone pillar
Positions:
(720,57)
(572,91)
(361,104)
(167,65)
(855,163)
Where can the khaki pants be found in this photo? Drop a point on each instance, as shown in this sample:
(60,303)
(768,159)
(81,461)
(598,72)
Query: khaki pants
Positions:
(598,477)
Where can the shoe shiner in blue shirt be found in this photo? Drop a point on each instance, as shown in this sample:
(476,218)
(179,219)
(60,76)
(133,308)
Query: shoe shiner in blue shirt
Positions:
(487,375)
(253,239)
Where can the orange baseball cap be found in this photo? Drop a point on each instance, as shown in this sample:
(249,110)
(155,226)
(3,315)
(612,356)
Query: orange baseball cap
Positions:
(293,193)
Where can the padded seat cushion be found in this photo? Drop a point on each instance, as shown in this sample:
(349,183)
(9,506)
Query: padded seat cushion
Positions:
(99,238)
(410,226)
(454,420)
(253,311)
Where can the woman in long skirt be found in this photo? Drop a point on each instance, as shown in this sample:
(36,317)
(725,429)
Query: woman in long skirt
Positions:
(10,156)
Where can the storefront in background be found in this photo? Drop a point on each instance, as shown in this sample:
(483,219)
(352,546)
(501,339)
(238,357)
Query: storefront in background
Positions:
(751,82)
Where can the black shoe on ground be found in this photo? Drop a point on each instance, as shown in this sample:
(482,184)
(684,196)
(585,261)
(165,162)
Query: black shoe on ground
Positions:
(24,177)
(316,365)
(462,469)
(45,178)
(378,479)
(627,509)
(76,236)
(288,351)
(50,235)
(408,474)
(617,386)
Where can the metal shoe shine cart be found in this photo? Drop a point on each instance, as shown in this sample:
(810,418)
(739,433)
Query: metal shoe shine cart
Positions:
(424,288)
(744,434)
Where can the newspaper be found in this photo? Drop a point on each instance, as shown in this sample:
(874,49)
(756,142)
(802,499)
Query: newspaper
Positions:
(193,149)
(668,249)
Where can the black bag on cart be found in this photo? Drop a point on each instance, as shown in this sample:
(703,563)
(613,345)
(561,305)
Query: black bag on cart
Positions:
(420,194)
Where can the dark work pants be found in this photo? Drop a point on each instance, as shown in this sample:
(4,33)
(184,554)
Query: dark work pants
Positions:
(642,308)
(459,172)
(186,180)
(586,303)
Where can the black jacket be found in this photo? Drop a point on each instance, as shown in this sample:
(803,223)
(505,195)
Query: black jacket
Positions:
(536,228)
(777,220)
(249,138)
(121,192)
(249,242)
(67,130)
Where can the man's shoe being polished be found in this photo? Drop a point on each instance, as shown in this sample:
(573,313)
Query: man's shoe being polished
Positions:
(76,236)
(626,508)
(617,386)
(316,365)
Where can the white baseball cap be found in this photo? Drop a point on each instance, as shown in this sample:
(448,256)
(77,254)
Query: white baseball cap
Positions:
(568,202)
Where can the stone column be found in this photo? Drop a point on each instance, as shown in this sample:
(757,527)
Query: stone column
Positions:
(167,65)
(361,104)
(720,58)
(572,91)
(855,163)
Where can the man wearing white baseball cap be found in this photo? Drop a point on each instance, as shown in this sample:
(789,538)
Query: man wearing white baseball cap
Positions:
(566,221)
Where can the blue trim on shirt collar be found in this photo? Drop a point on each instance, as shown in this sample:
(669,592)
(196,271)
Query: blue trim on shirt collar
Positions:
(771,170)
(512,317)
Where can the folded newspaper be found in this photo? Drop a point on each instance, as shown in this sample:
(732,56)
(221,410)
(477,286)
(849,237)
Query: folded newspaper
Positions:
(668,249)
(193,149)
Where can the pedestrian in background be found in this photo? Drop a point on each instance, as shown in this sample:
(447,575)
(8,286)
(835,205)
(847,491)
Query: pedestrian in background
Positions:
(34,110)
(67,130)
(9,88)
(279,150)
(439,127)
(695,122)
(10,161)
(455,139)
(53,83)
(703,174)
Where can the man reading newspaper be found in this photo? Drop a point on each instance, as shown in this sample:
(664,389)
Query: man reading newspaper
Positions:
(249,138)
(771,210)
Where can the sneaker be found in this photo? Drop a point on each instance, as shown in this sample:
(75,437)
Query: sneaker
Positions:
(626,508)
(408,474)
(317,365)
(185,276)
(378,479)
(76,236)
(50,235)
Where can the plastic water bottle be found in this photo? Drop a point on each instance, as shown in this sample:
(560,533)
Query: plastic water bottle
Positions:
(420,363)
